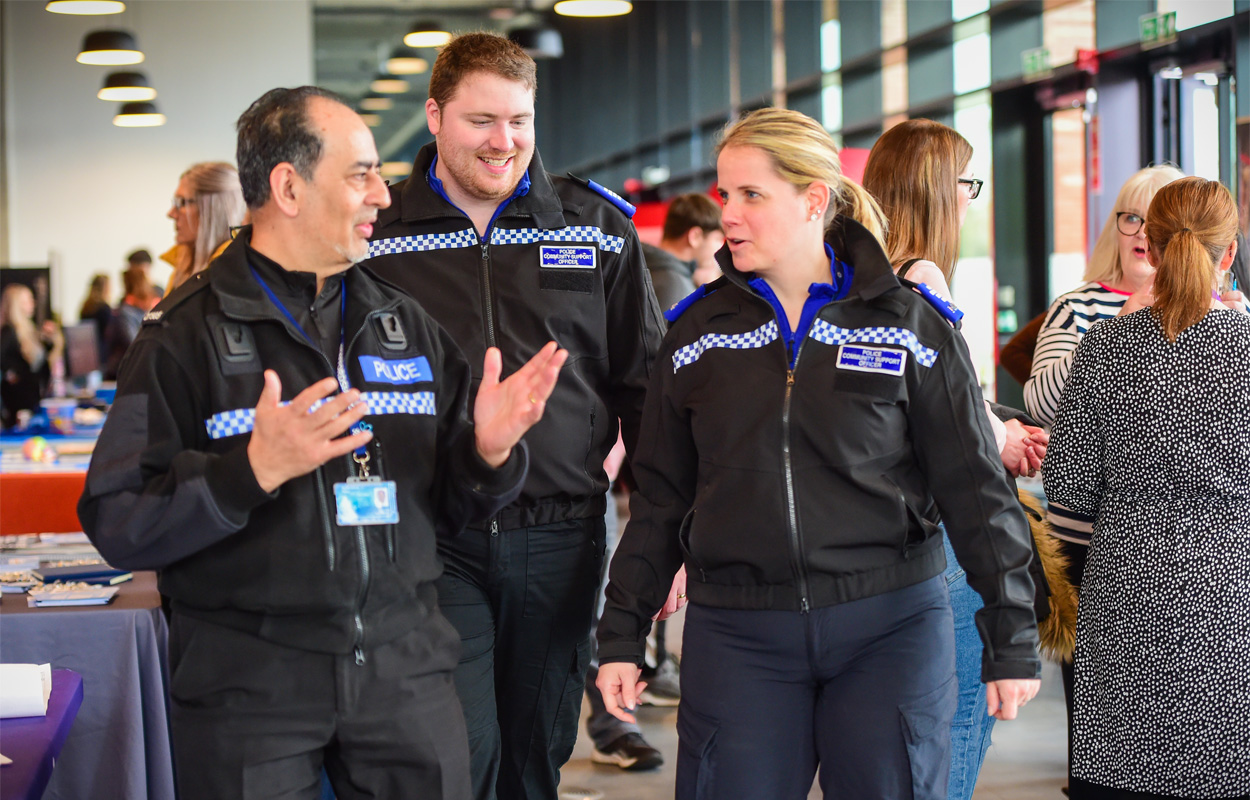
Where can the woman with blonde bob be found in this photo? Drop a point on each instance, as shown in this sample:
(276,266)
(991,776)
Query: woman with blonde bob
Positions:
(920,172)
(1163,639)
(206,205)
(806,409)
(28,352)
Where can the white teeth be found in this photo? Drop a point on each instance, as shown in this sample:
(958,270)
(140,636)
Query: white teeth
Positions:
(496,162)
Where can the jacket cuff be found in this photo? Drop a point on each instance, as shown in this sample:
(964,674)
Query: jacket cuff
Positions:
(484,479)
(233,485)
(1026,669)
(621,652)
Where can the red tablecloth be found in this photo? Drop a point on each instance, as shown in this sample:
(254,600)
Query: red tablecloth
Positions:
(40,502)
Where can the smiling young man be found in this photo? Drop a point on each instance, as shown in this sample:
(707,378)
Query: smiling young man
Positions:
(288,439)
(503,254)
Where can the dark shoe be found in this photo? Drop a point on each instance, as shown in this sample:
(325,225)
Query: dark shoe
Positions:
(629,752)
(664,687)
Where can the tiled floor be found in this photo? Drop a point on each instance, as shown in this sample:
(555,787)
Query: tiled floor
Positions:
(1026,762)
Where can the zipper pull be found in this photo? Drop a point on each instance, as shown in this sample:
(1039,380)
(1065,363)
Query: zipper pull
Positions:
(360,656)
(789,377)
(484,249)
(805,607)
(494,527)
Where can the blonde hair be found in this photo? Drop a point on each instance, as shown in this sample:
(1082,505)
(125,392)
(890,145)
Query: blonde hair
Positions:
(913,172)
(1136,193)
(219,199)
(803,153)
(11,314)
(1192,223)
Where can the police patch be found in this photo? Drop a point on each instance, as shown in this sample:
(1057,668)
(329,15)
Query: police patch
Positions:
(871,359)
(567,256)
(409,370)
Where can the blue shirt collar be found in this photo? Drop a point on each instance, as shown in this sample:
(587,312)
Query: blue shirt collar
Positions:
(522,189)
(818,294)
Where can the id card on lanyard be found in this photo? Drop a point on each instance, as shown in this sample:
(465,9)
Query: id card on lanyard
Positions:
(363,499)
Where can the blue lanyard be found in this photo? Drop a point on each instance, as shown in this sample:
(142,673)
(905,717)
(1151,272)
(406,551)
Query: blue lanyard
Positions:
(340,368)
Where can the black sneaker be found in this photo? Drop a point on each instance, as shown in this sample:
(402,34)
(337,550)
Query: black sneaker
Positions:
(629,752)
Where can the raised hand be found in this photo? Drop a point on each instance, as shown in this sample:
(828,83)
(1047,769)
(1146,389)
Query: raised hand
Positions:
(287,441)
(504,411)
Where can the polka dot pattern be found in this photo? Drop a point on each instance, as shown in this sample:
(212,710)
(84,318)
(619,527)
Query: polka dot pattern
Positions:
(1152,439)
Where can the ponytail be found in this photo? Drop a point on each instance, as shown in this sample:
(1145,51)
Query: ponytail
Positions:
(860,206)
(1190,224)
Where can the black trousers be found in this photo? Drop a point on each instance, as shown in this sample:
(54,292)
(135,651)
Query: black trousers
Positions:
(253,719)
(522,602)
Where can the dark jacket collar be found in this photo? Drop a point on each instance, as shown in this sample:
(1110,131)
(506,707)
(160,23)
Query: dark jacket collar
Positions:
(852,243)
(241,297)
(418,201)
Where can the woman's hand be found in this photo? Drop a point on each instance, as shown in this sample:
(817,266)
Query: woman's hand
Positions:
(1234,300)
(1023,453)
(1007,697)
(618,683)
(676,596)
(1142,298)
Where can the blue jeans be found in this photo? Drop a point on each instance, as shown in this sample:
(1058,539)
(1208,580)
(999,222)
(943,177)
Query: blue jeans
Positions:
(970,731)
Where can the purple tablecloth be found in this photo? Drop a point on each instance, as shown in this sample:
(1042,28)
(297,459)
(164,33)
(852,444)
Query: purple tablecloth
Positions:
(35,742)
(119,747)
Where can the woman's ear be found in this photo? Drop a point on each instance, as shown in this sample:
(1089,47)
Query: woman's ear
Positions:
(1229,255)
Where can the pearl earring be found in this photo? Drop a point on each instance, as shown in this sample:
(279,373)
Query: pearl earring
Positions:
(815,216)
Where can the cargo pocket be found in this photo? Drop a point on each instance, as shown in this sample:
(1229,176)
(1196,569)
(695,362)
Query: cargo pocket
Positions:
(926,723)
(564,732)
(696,754)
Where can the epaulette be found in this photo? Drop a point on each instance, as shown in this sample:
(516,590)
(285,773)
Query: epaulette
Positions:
(686,302)
(946,308)
(177,297)
(609,195)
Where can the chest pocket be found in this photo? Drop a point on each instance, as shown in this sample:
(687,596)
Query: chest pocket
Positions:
(883,388)
(235,346)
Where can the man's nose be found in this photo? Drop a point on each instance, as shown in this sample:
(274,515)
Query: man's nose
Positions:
(501,138)
(379,195)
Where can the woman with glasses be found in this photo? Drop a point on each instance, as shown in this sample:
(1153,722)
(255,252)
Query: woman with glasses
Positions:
(806,409)
(206,205)
(920,173)
(1149,438)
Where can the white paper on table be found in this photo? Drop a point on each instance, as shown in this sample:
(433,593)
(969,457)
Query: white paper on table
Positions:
(24,690)
(5,760)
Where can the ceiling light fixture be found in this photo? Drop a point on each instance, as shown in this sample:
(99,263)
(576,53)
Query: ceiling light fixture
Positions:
(372,120)
(405,62)
(388,84)
(427,34)
(593,8)
(396,169)
(109,48)
(86,7)
(374,102)
(539,41)
(126,87)
(139,115)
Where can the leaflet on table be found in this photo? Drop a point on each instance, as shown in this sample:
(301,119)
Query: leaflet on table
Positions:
(95,572)
(50,595)
(24,690)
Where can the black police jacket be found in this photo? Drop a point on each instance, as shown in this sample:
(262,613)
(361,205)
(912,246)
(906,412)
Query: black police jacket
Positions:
(170,486)
(800,488)
(516,288)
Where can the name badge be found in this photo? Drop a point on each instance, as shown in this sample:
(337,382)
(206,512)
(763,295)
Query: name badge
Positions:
(567,256)
(408,370)
(366,501)
(871,359)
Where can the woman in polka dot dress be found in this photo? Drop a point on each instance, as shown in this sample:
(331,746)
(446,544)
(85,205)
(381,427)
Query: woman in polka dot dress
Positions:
(1149,440)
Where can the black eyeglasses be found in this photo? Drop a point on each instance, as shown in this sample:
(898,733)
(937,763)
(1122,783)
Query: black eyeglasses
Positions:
(974,186)
(180,203)
(1128,223)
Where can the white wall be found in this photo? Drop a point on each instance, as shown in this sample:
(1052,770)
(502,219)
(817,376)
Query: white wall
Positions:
(83,192)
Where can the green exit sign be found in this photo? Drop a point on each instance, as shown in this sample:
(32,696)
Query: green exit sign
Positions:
(1036,62)
(1157,29)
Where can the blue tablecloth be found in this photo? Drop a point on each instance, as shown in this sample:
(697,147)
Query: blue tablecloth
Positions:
(119,747)
(33,743)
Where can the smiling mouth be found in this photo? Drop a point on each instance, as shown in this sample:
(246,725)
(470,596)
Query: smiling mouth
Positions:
(496,162)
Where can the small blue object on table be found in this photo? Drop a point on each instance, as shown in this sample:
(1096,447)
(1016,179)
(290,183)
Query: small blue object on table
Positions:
(35,742)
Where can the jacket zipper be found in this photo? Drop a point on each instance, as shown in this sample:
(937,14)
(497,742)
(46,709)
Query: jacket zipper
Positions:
(796,539)
(328,532)
(487,308)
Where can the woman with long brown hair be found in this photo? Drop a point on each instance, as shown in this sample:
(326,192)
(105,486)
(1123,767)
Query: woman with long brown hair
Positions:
(1148,442)
(207,204)
(920,172)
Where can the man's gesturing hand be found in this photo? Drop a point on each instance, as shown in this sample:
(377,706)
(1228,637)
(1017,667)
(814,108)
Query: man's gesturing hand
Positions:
(287,441)
(503,412)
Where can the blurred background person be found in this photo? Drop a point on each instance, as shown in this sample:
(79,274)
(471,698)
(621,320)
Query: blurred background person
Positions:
(1148,440)
(206,205)
(142,259)
(28,352)
(919,171)
(139,299)
(96,309)
(691,237)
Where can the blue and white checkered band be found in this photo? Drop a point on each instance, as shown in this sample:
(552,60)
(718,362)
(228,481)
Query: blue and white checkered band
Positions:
(576,233)
(736,341)
(241,420)
(831,334)
(421,244)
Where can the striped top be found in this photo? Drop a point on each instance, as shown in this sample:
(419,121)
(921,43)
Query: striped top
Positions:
(1069,318)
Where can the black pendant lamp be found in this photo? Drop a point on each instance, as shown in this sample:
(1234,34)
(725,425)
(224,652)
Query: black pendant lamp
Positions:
(139,115)
(110,48)
(126,87)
